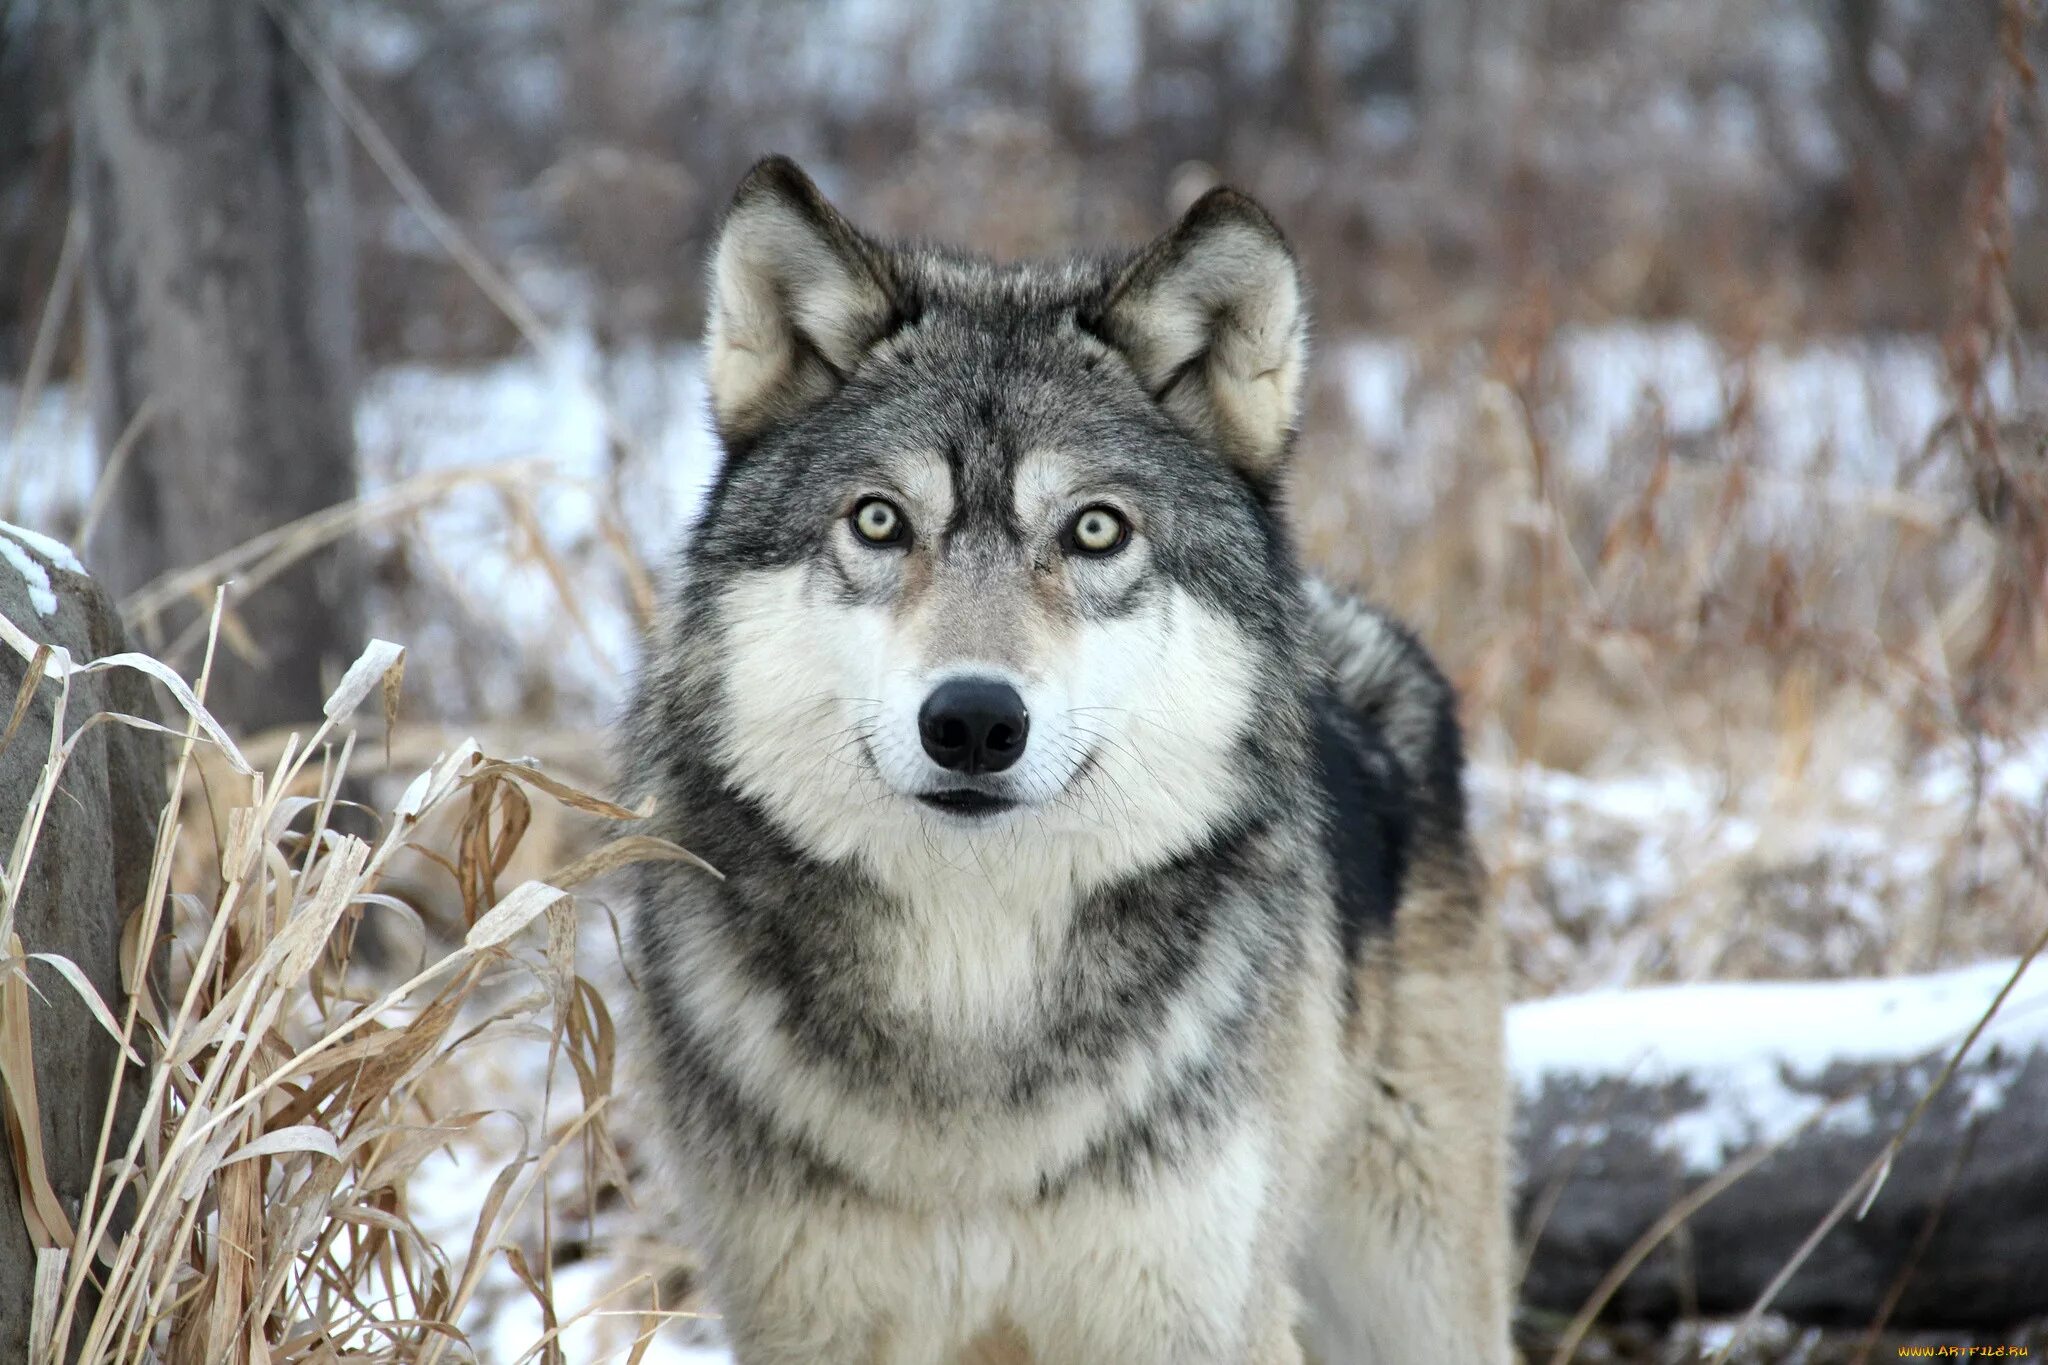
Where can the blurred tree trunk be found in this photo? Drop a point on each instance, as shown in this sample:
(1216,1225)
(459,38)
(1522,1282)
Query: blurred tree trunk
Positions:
(1446,53)
(213,178)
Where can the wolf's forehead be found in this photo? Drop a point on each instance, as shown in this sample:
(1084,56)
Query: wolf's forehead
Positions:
(989,485)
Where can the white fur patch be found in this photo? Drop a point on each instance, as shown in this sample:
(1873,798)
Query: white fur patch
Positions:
(1169,1274)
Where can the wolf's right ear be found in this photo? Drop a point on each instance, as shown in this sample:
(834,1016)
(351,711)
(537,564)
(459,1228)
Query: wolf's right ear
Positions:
(797,297)
(1212,318)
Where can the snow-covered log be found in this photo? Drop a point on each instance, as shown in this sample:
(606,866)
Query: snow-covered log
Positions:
(1631,1100)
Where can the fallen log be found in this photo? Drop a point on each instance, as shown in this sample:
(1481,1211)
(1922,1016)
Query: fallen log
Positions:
(1632,1100)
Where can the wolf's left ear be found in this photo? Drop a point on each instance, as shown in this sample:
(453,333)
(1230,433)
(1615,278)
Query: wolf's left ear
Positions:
(798,295)
(1211,316)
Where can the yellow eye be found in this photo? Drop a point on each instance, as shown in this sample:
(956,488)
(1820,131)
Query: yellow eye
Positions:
(1098,531)
(877,521)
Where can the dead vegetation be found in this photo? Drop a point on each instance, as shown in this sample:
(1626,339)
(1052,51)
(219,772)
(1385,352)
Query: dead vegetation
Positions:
(1808,669)
(262,1210)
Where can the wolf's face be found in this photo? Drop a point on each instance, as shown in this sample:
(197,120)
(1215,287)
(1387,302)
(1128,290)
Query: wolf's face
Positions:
(993,552)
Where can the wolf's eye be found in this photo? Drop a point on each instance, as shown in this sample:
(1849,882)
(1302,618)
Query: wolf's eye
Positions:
(877,521)
(1098,531)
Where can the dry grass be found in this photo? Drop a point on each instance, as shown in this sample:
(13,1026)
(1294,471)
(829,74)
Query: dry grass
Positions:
(1797,700)
(1706,601)
(260,1210)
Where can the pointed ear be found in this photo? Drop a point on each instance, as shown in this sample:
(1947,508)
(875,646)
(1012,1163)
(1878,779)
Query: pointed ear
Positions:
(1212,318)
(797,297)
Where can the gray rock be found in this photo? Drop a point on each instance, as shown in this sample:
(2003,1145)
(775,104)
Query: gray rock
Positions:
(90,870)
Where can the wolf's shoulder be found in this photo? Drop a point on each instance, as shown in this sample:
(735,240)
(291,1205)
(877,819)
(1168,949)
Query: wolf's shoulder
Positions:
(1389,756)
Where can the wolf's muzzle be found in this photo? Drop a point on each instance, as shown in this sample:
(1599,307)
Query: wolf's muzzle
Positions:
(974,725)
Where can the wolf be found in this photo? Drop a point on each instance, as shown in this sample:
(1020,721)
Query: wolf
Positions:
(1100,969)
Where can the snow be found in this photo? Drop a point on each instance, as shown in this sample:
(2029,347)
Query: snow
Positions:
(607,1331)
(40,595)
(56,551)
(1862,401)
(1757,1050)
(622,453)
(1834,420)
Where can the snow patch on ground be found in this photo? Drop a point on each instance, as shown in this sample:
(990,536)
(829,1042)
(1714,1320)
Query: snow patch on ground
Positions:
(1748,1046)
(1852,407)
(623,457)
(1674,871)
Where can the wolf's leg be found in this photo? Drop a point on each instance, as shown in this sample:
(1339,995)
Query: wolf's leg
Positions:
(1408,1259)
(1413,1266)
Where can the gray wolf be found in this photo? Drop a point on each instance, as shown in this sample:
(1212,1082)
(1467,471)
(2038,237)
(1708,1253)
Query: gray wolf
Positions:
(1100,970)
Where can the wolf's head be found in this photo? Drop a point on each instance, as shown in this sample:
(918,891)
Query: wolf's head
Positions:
(994,549)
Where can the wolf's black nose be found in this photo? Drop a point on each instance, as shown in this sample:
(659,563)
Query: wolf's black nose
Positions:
(973,725)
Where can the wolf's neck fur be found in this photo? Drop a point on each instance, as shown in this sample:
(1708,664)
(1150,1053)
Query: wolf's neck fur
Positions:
(984,918)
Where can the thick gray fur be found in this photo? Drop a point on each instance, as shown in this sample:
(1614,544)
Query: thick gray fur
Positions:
(1193,1054)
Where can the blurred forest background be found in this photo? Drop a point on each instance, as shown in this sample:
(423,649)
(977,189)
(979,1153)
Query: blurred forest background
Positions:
(1788,166)
(1677,376)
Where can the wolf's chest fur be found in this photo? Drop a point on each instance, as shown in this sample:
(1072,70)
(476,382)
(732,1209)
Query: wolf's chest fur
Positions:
(972,952)
(993,1029)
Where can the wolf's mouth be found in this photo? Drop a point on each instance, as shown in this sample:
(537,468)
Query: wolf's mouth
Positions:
(966,801)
